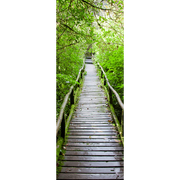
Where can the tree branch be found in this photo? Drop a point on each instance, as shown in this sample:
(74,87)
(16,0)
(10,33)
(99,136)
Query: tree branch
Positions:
(62,33)
(75,31)
(68,45)
(94,5)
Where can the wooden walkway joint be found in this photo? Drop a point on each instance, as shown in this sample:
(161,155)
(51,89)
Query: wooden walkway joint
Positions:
(93,149)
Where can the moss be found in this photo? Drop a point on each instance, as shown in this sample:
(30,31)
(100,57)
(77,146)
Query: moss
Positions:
(69,118)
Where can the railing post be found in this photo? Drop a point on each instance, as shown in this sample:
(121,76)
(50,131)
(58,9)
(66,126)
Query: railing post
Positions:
(104,81)
(78,83)
(122,122)
(72,96)
(110,95)
(63,125)
(81,74)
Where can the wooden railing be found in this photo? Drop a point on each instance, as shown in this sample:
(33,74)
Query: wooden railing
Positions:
(109,91)
(61,123)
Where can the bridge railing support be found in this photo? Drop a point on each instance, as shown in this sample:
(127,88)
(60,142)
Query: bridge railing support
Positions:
(110,91)
(63,123)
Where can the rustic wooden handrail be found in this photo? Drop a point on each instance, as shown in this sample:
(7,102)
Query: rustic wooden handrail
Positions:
(116,94)
(120,122)
(61,119)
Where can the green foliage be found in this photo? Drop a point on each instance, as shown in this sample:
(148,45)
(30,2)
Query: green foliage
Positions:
(111,58)
(80,25)
(109,51)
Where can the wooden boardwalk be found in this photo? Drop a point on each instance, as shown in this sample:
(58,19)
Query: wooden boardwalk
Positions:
(93,149)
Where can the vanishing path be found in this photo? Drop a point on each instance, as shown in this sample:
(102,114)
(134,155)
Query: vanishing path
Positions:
(93,149)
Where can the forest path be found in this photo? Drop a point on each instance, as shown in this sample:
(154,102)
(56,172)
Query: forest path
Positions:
(93,149)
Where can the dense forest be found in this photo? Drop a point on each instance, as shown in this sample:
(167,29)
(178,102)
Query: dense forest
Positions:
(83,27)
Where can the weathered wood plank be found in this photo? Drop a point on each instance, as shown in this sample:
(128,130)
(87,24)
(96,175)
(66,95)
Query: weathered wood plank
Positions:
(94,140)
(90,176)
(75,118)
(93,98)
(92,130)
(93,158)
(92,170)
(94,153)
(90,117)
(93,148)
(93,134)
(90,125)
(94,119)
(92,102)
(93,115)
(77,144)
(92,94)
(92,105)
(92,137)
(89,99)
(93,164)
(88,122)
(89,112)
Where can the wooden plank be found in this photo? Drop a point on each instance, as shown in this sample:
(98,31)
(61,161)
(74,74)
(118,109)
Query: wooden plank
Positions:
(97,108)
(93,97)
(92,130)
(93,164)
(94,140)
(92,88)
(88,122)
(90,125)
(92,144)
(92,120)
(86,110)
(93,134)
(92,137)
(88,80)
(92,105)
(93,148)
(87,116)
(88,104)
(92,102)
(90,116)
(93,158)
(89,112)
(93,94)
(98,98)
(94,153)
(95,120)
(91,81)
(90,176)
(90,97)
(92,170)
